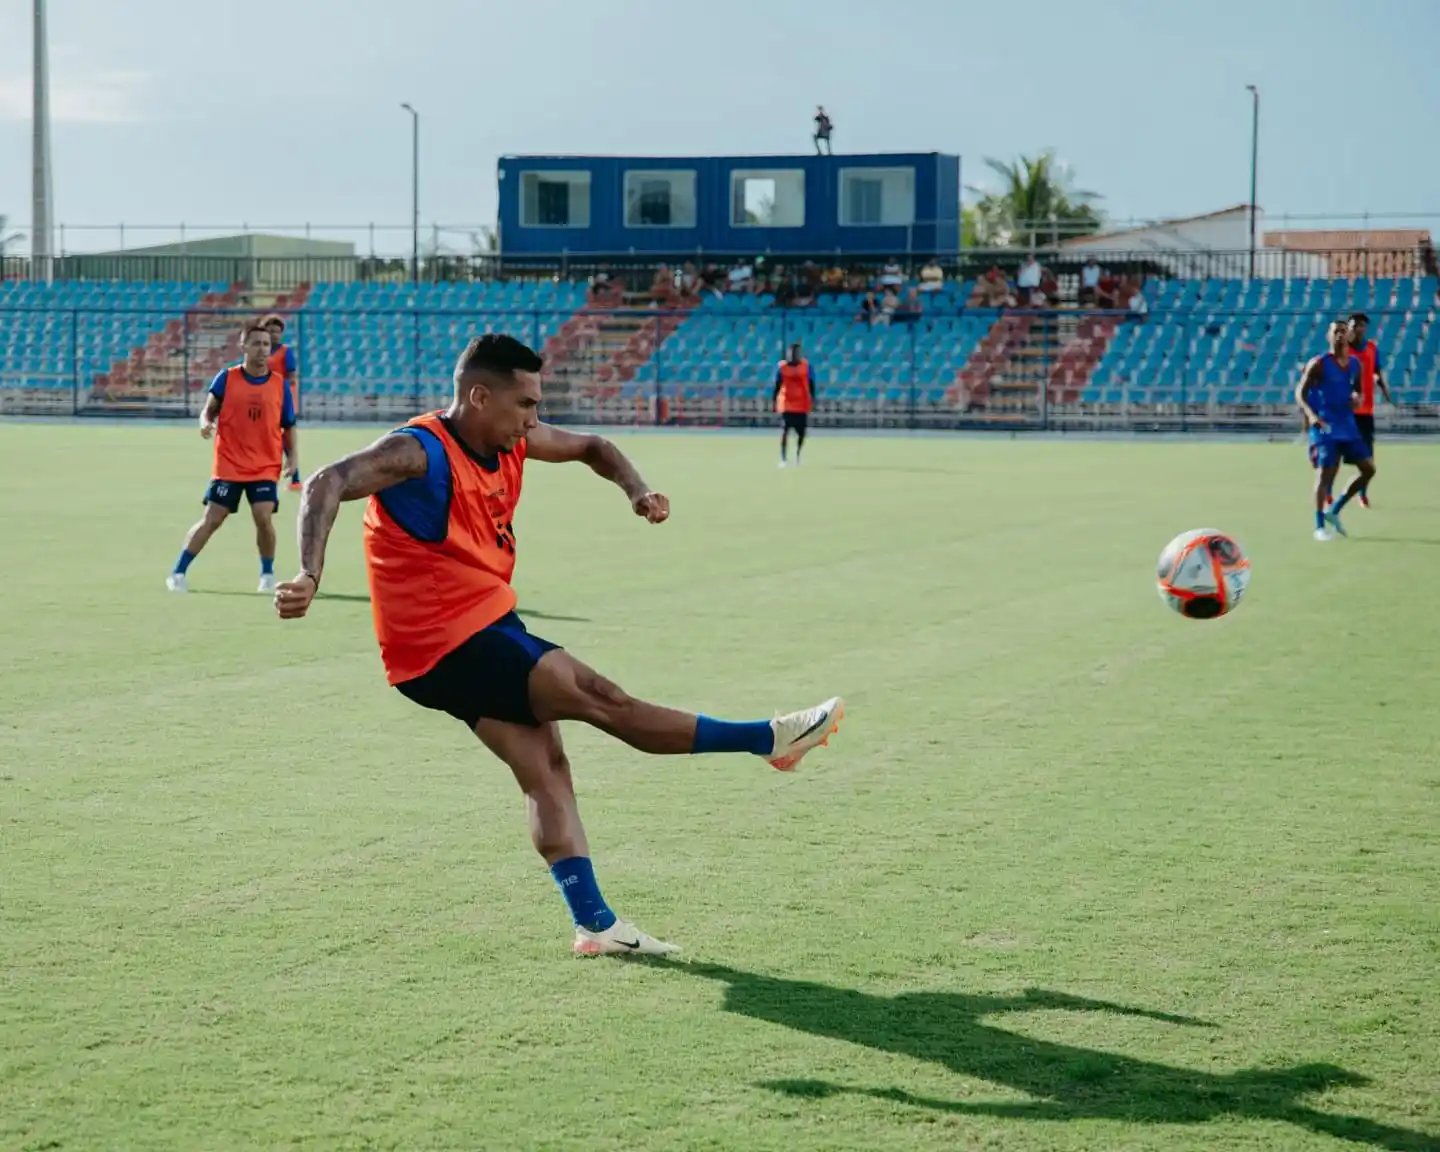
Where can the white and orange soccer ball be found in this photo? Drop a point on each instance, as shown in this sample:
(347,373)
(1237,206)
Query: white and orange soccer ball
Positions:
(1203,574)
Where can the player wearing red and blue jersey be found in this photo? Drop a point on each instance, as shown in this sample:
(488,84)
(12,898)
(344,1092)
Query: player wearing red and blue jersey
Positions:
(1372,373)
(282,360)
(249,416)
(794,399)
(1325,395)
(440,541)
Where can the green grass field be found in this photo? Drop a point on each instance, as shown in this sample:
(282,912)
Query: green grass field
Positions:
(1076,873)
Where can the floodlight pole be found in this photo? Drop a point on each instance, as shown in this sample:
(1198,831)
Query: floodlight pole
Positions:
(42,262)
(414,192)
(1254,165)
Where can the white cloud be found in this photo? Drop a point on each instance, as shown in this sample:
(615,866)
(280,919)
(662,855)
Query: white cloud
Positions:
(103,98)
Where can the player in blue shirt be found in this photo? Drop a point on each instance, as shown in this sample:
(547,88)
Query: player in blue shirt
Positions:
(1326,395)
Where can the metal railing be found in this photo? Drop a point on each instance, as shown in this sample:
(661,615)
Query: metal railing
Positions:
(950,368)
(284,272)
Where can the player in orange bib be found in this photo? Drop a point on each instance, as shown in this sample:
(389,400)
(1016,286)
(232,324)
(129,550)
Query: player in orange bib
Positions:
(282,360)
(1372,372)
(440,540)
(794,400)
(250,416)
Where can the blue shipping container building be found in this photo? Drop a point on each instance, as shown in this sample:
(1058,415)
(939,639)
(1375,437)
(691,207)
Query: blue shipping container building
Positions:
(881,204)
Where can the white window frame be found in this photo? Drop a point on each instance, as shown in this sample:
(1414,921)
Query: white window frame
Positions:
(564,176)
(842,197)
(740,175)
(667,173)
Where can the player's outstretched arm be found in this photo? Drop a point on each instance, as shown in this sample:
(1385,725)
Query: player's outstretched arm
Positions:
(556,446)
(390,460)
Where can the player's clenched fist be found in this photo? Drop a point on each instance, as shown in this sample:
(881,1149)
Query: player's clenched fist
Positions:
(292,599)
(654,507)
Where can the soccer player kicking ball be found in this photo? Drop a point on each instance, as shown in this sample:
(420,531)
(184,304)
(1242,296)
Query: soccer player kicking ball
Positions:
(439,540)
(251,417)
(1324,395)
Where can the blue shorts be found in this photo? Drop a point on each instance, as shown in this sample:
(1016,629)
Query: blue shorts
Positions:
(488,676)
(226,493)
(1328,452)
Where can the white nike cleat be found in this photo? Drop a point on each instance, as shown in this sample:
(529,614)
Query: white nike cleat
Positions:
(1321,534)
(799,732)
(621,939)
(267,584)
(175,582)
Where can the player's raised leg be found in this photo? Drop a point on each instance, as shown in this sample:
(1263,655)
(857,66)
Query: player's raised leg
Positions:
(537,759)
(562,688)
(263,513)
(199,535)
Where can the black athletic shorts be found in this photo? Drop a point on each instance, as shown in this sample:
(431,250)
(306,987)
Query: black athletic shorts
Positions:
(799,421)
(1366,424)
(488,676)
(226,493)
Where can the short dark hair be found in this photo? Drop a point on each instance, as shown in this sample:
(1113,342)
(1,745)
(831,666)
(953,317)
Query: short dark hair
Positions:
(1354,316)
(254,326)
(498,355)
(273,318)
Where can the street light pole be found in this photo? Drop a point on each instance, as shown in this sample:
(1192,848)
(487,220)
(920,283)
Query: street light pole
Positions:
(414,192)
(1254,164)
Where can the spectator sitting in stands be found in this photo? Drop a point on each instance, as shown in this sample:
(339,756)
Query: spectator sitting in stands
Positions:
(689,280)
(741,278)
(662,287)
(869,309)
(1136,305)
(892,275)
(833,280)
(1028,281)
(909,309)
(993,290)
(605,292)
(1089,282)
(932,277)
(888,304)
(1107,292)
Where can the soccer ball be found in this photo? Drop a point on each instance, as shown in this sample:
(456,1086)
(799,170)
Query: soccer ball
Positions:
(1202,574)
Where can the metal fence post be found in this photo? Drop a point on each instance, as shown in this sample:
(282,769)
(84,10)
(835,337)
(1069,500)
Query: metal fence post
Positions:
(185,359)
(415,360)
(74,362)
(658,323)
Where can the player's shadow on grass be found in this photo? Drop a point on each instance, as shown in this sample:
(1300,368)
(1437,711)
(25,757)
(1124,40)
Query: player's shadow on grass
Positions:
(953,1029)
(1395,540)
(364,598)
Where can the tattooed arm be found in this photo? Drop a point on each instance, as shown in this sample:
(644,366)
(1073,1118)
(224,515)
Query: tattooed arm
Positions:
(389,461)
(556,446)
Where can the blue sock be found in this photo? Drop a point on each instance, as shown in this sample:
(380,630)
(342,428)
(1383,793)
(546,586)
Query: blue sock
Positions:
(576,878)
(267,565)
(1319,518)
(713,735)
(1340,502)
(186,557)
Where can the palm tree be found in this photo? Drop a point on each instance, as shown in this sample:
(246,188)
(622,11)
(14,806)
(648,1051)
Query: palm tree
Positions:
(1036,201)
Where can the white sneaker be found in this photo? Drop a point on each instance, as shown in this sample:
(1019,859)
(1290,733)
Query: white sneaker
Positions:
(175,582)
(267,584)
(1321,534)
(621,939)
(783,464)
(799,732)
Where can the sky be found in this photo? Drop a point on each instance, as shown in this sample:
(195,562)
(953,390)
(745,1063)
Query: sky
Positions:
(220,113)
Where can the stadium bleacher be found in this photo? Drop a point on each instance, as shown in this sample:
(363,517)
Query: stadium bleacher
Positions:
(57,337)
(1242,343)
(386,347)
(730,348)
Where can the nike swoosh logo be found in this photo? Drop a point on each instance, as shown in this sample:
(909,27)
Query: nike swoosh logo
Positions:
(825,719)
(629,944)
